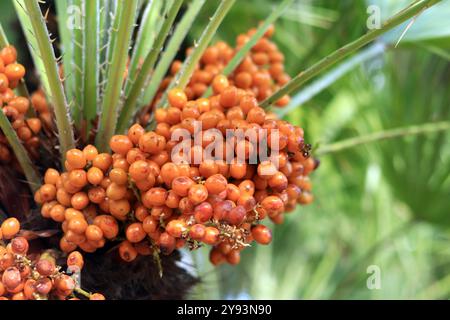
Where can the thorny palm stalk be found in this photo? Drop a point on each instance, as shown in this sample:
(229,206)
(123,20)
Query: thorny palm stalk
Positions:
(147,66)
(56,90)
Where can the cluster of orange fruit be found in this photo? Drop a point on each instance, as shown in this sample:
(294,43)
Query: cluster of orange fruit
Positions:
(30,276)
(163,204)
(261,71)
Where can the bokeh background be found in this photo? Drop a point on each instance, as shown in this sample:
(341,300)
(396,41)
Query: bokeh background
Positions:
(383,205)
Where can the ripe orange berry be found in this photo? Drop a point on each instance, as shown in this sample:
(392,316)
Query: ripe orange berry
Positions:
(34,124)
(220,83)
(8,54)
(118,176)
(176,228)
(229,97)
(169,171)
(47,192)
(238,170)
(115,191)
(197,193)
(215,184)
(79,200)
(66,246)
(97,296)
(10,227)
(197,232)
(135,132)
(77,225)
(21,104)
(233,257)
(149,224)
(51,176)
(11,278)
(19,245)
(108,224)
(127,252)
(102,161)
(216,257)
(211,236)
(154,197)
(78,178)
(94,176)
(139,170)
(76,159)
(167,243)
(57,213)
(4,84)
(75,260)
(203,212)
(45,267)
(90,152)
(177,98)
(236,215)
(151,142)
(135,232)
(119,208)
(15,71)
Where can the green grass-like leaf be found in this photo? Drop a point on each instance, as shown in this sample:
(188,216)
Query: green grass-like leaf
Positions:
(409,12)
(169,54)
(77,66)
(44,52)
(184,75)
(91,19)
(149,62)
(384,135)
(120,40)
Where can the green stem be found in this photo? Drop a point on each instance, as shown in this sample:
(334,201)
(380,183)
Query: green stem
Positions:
(90,61)
(21,88)
(56,90)
(66,45)
(383,135)
(33,178)
(236,60)
(82,292)
(339,54)
(189,65)
(126,11)
(147,66)
(77,68)
(167,57)
(308,92)
(144,40)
